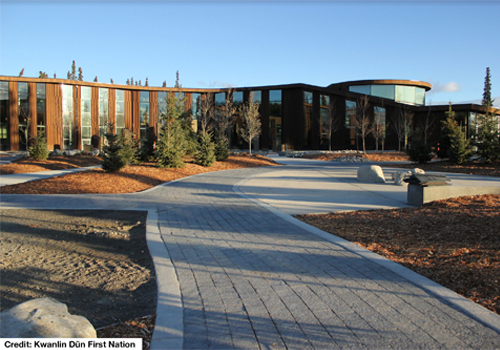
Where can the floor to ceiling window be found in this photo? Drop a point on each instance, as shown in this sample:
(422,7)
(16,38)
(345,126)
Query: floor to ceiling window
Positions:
(144,114)
(324,126)
(24,117)
(350,121)
(275,119)
(103,113)
(4,116)
(86,115)
(308,113)
(67,116)
(41,108)
(379,125)
(120,111)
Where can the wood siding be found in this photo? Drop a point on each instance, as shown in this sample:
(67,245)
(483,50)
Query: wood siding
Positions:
(54,116)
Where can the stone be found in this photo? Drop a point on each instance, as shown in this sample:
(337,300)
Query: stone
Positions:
(56,152)
(417,171)
(44,318)
(371,174)
(399,177)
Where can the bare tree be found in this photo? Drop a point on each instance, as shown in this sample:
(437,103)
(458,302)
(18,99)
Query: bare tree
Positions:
(226,115)
(429,125)
(401,124)
(362,120)
(332,123)
(251,125)
(207,109)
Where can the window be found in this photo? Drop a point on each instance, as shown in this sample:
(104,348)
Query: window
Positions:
(85,112)
(324,127)
(103,113)
(196,101)
(384,91)
(350,121)
(67,116)
(144,114)
(379,124)
(120,111)
(41,110)
(23,113)
(405,94)
(361,89)
(220,100)
(4,116)
(308,111)
(275,119)
(162,105)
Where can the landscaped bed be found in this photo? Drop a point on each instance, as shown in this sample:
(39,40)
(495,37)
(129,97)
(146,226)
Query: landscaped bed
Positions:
(132,178)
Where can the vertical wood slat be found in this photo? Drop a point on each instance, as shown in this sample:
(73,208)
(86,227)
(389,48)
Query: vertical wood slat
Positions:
(136,114)
(14,119)
(153,111)
(54,115)
(128,110)
(112,108)
(32,110)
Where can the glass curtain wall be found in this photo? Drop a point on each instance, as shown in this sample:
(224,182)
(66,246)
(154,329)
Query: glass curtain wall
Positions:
(120,111)
(85,112)
(195,110)
(23,114)
(350,121)
(103,113)
(237,103)
(162,105)
(379,125)
(67,116)
(144,115)
(324,126)
(275,119)
(4,116)
(308,113)
(41,108)
(220,100)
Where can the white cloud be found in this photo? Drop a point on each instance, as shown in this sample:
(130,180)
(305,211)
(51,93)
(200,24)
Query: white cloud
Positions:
(448,87)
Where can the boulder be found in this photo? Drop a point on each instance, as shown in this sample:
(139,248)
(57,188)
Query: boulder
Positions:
(44,318)
(371,174)
(417,171)
(399,176)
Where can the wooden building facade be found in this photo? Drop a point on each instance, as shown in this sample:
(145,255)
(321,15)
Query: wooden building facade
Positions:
(295,116)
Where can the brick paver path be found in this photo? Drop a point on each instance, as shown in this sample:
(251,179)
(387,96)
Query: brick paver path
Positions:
(250,279)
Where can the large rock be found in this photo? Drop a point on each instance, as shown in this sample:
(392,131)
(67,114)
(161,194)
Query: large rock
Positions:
(400,176)
(44,318)
(371,174)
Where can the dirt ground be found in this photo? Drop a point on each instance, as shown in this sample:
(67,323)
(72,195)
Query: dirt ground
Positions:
(95,261)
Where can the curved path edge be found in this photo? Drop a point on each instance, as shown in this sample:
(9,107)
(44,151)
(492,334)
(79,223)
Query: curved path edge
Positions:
(475,310)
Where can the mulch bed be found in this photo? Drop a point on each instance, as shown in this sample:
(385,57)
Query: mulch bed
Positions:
(472,168)
(28,165)
(454,242)
(132,178)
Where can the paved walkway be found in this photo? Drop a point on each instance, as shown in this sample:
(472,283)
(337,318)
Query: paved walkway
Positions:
(236,273)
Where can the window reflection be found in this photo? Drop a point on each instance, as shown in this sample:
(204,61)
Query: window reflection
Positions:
(86,113)
(144,115)
(308,111)
(4,116)
(324,126)
(120,111)
(67,116)
(350,121)
(275,120)
(103,113)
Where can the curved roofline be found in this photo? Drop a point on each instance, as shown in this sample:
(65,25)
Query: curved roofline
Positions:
(346,84)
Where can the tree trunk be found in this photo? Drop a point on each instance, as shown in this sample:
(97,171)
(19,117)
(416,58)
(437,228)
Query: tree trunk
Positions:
(250,146)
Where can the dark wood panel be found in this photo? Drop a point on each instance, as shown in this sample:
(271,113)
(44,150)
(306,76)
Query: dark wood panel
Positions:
(14,120)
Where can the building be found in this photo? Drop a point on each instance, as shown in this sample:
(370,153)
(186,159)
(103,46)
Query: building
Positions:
(294,116)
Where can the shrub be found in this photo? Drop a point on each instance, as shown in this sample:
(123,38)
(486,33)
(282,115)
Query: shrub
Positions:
(460,149)
(170,146)
(205,155)
(221,150)
(127,144)
(113,159)
(39,150)
(420,151)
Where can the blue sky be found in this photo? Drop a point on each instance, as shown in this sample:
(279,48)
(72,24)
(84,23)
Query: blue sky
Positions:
(251,43)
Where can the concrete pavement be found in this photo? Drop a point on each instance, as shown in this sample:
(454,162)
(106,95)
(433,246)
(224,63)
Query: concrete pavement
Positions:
(236,272)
